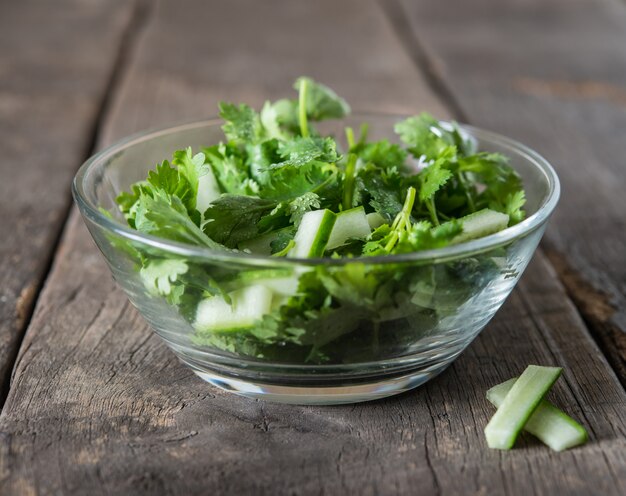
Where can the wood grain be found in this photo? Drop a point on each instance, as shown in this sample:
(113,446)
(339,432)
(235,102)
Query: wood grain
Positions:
(55,65)
(100,406)
(553,75)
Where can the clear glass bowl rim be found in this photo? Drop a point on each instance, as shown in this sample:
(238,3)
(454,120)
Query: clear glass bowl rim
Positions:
(91,210)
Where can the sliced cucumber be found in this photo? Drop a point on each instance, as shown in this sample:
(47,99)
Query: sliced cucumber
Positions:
(262,245)
(519,404)
(208,191)
(375,220)
(547,423)
(281,281)
(349,224)
(313,234)
(481,224)
(248,305)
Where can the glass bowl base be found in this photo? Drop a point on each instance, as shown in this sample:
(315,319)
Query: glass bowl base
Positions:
(335,394)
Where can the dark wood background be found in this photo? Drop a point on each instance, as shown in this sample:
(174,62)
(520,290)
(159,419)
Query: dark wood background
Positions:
(92,401)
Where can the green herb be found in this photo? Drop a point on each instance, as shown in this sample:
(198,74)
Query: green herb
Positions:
(278,186)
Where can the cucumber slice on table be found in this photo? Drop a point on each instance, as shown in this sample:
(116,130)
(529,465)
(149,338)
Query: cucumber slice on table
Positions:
(519,404)
(313,234)
(349,224)
(547,423)
(248,305)
(481,224)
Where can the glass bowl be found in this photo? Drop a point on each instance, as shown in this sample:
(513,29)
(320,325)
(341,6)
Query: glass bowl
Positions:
(346,352)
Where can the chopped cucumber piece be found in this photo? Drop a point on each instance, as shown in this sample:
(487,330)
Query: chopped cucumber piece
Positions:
(208,191)
(248,305)
(349,224)
(280,281)
(313,234)
(481,224)
(262,245)
(375,220)
(548,424)
(519,404)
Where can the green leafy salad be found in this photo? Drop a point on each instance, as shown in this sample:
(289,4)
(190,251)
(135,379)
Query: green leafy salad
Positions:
(279,188)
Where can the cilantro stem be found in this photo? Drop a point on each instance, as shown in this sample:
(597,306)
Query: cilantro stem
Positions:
(433,211)
(285,250)
(364,130)
(402,220)
(405,213)
(348,182)
(350,138)
(304,126)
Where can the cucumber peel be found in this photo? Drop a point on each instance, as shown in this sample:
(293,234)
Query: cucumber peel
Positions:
(247,306)
(481,223)
(349,224)
(519,404)
(550,425)
(313,234)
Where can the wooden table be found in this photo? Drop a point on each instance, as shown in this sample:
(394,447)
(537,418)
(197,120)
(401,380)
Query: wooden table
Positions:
(93,402)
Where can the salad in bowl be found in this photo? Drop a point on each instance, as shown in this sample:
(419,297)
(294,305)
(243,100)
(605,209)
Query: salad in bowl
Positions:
(303,254)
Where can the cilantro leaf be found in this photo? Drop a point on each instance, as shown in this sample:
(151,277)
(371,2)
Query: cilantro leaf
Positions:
(322,102)
(513,206)
(382,154)
(159,276)
(422,236)
(172,182)
(242,122)
(233,218)
(286,183)
(301,205)
(432,178)
(427,137)
(302,151)
(164,215)
(229,167)
(192,167)
(501,185)
(383,190)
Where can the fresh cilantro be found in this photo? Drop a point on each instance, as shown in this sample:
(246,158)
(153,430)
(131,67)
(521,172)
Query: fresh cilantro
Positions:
(173,182)
(302,151)
(230,169)
(164,215)
(431,179)
(322,102)
(301,205)
(191,167)
(243,124)
(159,276)
(232,219)
(382,154)
(273,167)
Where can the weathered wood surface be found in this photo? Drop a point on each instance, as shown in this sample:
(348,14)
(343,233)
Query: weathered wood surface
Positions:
(52,84)
(552,74)
(98,405)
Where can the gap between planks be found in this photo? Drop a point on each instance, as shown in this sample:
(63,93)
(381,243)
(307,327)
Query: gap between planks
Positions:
(131,33)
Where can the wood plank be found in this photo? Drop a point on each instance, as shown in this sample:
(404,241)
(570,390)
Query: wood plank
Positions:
(553,75)
(55,64)
(99,405)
